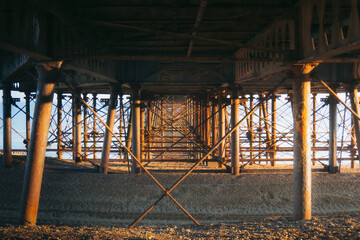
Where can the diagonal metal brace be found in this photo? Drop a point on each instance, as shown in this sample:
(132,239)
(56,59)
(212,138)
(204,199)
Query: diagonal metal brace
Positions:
(166,192)
(206,155)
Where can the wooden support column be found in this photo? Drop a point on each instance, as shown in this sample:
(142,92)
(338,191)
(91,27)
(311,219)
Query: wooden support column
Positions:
(235,141)
(110,120)
(85,137)
(332,134)
(302,150)
(8,160)
(48,75)
(77,125)
(27,118)
(136,127)
(273,129)
(59,125)
(355,107)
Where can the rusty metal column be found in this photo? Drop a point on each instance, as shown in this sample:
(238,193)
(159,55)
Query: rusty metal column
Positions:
(235,141)
(121,124)
(355,106)
(251,130)
(48,75)
(149,129)
(94,125)
(136,140)
(142,131)
(77,125)
(332,134)
(27,113)
(314,129)
(110,120)
(353,144)
(59,125)
(7,125)
(162,124)
(215,132)
(221,128)
(207,125)
(85,137)
(129,133)
(273,129)
(302,150)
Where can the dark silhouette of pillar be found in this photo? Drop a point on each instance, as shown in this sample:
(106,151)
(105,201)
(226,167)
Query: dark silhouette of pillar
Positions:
(8,160)
(27,118)
(77,127)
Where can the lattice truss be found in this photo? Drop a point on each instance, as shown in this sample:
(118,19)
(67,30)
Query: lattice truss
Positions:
(173,128)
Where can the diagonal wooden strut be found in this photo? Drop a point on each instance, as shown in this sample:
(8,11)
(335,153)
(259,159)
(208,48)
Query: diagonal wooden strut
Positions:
(137,160)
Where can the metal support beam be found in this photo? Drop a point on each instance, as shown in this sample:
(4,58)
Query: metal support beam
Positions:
(206,124)
(314,119)
(59,124)
(332,134)
(235,140)
(27,118)
(353,144)
(142,132)
(222,109)
(136,140)
(85,124)
(107,138)
(251,129)
(34,168)
(302,150)
(8,160)
(354,98)
(149,129)
(215,129)
(94,125)
(77,128)
(273,128)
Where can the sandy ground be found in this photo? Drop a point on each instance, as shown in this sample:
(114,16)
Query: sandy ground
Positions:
(79,200)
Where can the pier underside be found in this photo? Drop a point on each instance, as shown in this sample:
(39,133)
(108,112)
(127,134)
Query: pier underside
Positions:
(217,84)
